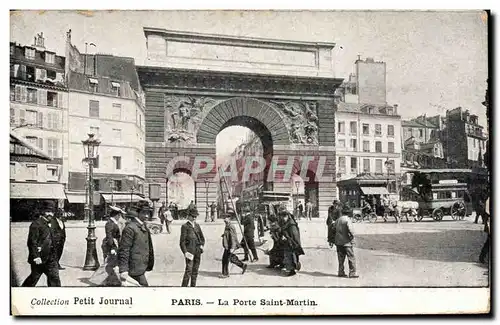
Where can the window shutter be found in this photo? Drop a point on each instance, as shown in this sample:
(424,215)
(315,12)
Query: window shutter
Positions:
(18,93)
(24,94)
(39,121)
(40,143)
(39,95)
(42,97)
(16,70)
(12,115)
(22,72)
(60,101)
(22,114)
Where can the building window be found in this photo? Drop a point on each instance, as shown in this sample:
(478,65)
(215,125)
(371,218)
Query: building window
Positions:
(32,173)
(420,133)
(117,134)
(115,88)
(140,120)
(117,185)
(366,146)
(53,121)
(390,147)
(354,144)
(117,162)
(341,142)
(93,108)
(97,185)
(378,146)
(36,142)
(30,74)
(12,93)
(29,53)
(117,112)
(32,96)
(50,57)
(52,148)
(366,129)
(341,127)
(474,142)
(354,165)
(30,117)
(378,166)
(12,170)
(52,99)
(390,130)
(378,130)
(353,128)
(12,116)
(390,111)
(95,131)
(93,84)
(12,49)
(341,164)
(52,173)
(390,167)
(366,165)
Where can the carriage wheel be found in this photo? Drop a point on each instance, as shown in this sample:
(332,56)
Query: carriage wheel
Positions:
(458,211)
(373,217)
(155,230)
(438,214)
(357,217)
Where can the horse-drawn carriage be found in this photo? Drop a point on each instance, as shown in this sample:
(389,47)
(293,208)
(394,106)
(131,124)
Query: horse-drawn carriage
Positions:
(443,198)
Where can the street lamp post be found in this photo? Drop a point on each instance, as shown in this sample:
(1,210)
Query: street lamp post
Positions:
(91,147)
(295,208)
(206,199)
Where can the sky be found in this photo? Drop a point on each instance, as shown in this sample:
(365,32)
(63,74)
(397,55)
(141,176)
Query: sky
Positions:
(435,60)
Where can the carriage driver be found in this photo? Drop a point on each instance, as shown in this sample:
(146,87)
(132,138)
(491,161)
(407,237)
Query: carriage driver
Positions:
(365,206)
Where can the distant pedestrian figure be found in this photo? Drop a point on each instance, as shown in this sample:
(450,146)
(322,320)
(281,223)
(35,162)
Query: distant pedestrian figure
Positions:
(213,207)
(344,240)
(309,210)
(301,211)
(485,251)
(42,249)
(59,234)
(191,243)
(248,243)
(230,243)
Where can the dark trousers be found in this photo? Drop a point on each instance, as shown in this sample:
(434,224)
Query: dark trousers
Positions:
(191,270)
(251,246)
(229,257)
(49,268)
(212,216)
(59,251)
(342,252)
(141,279)
(485,251)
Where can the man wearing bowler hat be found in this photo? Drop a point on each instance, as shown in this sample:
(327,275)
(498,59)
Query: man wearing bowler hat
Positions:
(135,251)
(191,243)
(42,249)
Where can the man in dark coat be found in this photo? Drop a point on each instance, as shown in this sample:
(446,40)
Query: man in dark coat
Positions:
(59,234)
(42,250)
(344,241)
(334,213)
(135,251)
(248,243)
(291,239)
(213,207)
(301,210)
(191,243)
(230,244)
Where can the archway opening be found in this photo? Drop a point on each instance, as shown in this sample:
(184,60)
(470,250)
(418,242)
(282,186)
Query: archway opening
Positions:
(305,192)
(241,142)
(181,191)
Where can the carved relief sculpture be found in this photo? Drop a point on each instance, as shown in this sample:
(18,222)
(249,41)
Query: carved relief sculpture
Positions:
(184,115)
(301,119)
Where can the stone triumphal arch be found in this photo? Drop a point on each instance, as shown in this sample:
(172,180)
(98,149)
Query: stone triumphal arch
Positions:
(197,84)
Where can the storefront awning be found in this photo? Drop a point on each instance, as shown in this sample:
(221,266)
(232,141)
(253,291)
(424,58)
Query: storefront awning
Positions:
(37,191)
(76,197)
(122,198)
(374,190)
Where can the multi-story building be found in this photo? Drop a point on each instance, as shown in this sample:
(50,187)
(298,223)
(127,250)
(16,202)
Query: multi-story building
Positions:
(368,134)
(422,129)
(105,99)
(464,139)
(38,114)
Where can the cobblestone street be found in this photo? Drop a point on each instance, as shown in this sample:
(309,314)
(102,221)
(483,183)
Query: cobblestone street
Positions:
(428,253)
